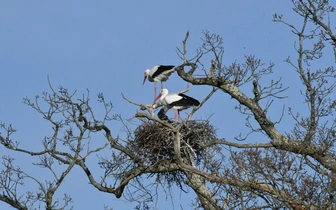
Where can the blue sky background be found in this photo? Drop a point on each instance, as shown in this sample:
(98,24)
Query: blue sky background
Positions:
(105,46)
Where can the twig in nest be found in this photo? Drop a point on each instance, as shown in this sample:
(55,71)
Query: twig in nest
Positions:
(193,152)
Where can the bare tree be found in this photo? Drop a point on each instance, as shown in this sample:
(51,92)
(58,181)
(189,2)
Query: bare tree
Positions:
(292,170)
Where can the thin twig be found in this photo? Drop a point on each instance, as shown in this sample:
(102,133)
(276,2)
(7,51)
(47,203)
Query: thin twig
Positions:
(185,90)
(148,107)
(214,89)
(185,47)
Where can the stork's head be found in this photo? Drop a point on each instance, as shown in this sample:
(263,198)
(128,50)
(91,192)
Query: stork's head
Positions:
(163,93)
(146,76)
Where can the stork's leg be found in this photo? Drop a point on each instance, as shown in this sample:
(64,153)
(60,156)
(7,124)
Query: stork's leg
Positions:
(175,115)
(178,116)
(154,90)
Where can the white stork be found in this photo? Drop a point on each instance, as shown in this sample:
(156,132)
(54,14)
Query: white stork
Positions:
(158,73)
(177,101)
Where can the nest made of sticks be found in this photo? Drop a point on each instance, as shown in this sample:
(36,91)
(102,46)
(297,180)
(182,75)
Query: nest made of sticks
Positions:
(154,142)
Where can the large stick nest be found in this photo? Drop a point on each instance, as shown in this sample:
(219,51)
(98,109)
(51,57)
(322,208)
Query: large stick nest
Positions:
(154,142)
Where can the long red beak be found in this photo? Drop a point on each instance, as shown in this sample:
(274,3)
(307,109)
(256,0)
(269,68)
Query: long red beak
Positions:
(144,80)
(157,97)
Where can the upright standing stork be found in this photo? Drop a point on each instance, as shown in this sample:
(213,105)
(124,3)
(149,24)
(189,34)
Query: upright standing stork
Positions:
(177,101)
(158,73)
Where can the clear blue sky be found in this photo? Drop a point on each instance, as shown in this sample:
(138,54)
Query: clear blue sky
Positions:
(105,46)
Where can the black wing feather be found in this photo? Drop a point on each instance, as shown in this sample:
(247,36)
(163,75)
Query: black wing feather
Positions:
(161,69)
(187,101)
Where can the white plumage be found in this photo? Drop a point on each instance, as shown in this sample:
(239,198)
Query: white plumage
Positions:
(177,101)
(158,73)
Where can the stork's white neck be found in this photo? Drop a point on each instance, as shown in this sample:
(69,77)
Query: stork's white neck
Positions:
(164,93)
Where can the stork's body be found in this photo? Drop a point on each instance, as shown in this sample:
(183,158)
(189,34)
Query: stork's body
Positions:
(158,73)
(177,101)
